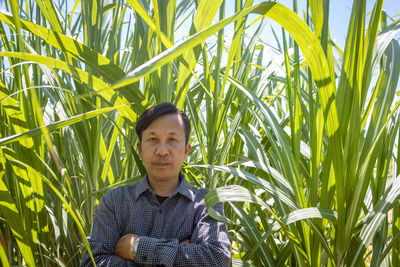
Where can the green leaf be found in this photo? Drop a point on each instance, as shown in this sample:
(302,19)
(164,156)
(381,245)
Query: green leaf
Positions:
(55,126)
(103,65)
(16,118)
(11,214)
(375,219)
(98,85)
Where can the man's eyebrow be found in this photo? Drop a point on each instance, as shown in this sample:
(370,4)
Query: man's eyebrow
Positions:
(170,133)
(150,133)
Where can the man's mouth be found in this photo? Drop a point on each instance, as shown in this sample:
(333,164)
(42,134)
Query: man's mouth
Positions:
(161,164)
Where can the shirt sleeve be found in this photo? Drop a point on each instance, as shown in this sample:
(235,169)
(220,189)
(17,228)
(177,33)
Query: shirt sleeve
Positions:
(210,245)
(103,237)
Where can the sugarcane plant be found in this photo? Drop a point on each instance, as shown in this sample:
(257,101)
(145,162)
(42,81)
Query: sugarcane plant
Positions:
(299,139)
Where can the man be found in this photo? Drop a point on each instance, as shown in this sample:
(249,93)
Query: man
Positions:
(160,220)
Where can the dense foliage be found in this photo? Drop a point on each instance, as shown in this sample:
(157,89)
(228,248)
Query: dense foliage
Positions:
(299,139)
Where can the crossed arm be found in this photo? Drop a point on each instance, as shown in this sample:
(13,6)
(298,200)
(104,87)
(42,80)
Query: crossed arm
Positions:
(208,246)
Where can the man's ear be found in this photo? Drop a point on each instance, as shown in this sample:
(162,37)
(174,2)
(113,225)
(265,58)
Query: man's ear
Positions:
(187,150)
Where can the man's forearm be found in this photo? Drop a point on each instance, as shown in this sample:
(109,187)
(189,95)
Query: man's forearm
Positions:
(170,252)
(103,258)
(109,260)
(202,255)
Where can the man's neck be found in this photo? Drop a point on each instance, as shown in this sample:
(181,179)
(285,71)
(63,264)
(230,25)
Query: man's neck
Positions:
(163,188)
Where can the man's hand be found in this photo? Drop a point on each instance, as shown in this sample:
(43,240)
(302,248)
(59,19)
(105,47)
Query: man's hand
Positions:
(123,247)
(186,241)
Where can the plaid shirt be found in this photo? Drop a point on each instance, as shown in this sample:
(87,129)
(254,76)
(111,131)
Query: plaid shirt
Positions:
(162,228)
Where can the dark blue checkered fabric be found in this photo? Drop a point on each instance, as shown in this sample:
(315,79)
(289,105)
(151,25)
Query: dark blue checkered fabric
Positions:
(162,228)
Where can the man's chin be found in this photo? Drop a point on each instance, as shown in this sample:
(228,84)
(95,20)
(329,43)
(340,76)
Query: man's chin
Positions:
(163,175)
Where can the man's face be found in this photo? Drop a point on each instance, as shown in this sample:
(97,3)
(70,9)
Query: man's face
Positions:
(163,148)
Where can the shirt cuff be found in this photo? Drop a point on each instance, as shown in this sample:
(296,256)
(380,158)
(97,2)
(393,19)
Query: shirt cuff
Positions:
(156,251)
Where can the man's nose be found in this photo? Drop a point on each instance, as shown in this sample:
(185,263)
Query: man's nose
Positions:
(162,149)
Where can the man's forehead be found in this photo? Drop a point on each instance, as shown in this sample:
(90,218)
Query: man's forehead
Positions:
(155,132)
(171,124)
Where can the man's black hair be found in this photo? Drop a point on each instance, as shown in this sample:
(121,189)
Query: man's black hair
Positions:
(150,114)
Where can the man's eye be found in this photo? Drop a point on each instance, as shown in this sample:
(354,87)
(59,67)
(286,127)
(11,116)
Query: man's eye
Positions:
(172,140)
(152,139)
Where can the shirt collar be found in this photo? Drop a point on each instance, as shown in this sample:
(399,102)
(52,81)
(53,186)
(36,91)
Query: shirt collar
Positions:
(141,187)
(183,188)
